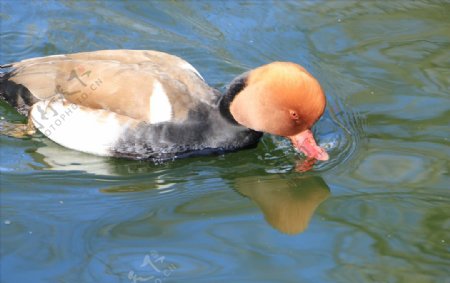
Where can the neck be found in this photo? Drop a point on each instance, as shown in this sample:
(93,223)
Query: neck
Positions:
(236,86)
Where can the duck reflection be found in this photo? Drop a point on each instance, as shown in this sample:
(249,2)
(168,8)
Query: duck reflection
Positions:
(287,203)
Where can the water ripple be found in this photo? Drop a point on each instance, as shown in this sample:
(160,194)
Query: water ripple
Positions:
(17,45)
(340,131)
(366,232)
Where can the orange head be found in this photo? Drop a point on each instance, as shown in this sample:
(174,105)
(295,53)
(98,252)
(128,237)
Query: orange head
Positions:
(282,98)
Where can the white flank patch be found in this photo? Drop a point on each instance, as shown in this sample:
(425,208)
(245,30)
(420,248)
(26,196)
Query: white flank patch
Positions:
(160,107)
(77,127)
(189,67)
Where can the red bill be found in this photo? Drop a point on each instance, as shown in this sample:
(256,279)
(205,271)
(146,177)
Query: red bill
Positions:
(306,143)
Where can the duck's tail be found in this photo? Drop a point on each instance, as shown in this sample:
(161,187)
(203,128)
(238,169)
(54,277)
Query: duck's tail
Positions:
(13,93)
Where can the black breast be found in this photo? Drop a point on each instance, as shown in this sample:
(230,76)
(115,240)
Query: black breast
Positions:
(206,131)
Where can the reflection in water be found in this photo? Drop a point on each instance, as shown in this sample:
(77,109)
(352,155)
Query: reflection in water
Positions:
(287,204)
(55,157)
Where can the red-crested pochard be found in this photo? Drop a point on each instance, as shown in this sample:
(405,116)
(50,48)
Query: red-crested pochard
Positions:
(149,104)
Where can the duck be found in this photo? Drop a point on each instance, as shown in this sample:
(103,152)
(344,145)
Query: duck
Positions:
(146,104)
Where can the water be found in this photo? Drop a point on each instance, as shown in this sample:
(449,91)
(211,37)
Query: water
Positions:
(376,212)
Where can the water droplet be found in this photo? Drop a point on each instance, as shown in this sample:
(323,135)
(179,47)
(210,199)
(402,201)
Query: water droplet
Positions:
(339,20)
(7,222)
(30,232)
(61,202)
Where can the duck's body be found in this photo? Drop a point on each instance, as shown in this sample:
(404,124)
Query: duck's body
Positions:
(149,104)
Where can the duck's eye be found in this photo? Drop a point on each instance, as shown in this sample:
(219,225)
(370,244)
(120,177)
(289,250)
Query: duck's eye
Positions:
(294,115)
